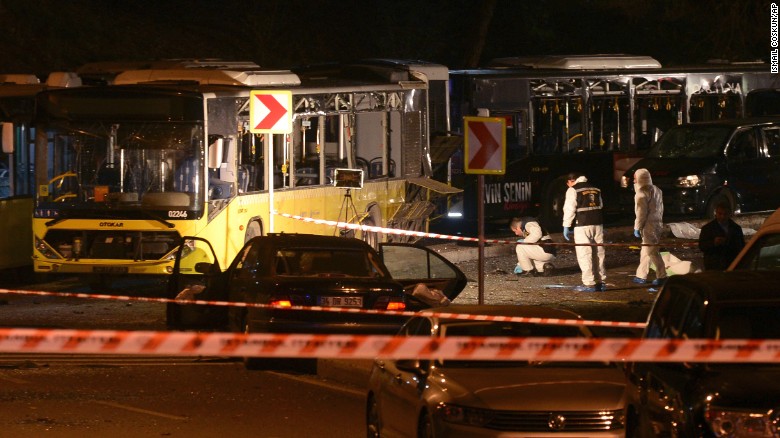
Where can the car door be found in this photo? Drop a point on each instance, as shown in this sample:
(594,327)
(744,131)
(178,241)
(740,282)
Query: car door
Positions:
(750,172)
(412,265)
(402,383)
(196,276)
(771,146)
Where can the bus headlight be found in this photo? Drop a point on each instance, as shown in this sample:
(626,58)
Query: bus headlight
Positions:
(625,182)
(688,181)
(45,249)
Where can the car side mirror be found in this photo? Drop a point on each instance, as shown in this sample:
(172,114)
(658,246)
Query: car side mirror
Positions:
(412,365)
(205,268)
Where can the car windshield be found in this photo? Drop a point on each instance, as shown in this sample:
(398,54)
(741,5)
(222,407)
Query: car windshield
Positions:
(748,322)
(318,262)
(763,255)
(510,329)
(691,141)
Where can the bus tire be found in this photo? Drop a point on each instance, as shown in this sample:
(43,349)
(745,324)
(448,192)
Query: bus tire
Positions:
(551,210)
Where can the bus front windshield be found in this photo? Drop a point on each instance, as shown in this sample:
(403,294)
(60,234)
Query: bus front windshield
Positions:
(691,141)
(103,164)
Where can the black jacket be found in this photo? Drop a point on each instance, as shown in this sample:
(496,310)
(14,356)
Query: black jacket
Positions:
(719,257)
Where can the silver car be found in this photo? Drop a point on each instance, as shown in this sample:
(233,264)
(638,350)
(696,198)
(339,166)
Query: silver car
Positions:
(459,398)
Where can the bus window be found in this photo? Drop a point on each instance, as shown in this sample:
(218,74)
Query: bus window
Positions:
(609,123)
(715,106)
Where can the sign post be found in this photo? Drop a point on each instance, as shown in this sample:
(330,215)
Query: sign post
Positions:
(484,154)
(270,112)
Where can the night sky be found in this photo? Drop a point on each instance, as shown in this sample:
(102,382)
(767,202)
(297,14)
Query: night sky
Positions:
(39,36)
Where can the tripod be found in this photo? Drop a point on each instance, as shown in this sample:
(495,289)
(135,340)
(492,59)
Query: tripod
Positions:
(347,207)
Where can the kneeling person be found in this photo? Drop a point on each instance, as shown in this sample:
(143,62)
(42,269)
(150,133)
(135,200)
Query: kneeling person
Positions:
(536,259)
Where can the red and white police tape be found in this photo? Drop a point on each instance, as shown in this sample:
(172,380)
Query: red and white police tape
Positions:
(421,234)
(388,347)
(547,321)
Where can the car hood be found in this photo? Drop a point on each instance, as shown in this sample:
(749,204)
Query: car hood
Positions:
(743,387)
(665,171)
(533,388)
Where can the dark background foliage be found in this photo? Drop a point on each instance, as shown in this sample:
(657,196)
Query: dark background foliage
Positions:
(40,36)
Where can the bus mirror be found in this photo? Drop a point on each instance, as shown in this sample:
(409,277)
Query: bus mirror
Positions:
(8,137)
(215,151)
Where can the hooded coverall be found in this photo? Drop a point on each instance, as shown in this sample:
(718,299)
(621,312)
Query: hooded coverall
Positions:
(530,257)
(583,203)
(649,211)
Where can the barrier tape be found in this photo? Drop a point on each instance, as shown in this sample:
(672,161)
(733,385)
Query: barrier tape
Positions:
(422,234)
(460,316)
(389,347)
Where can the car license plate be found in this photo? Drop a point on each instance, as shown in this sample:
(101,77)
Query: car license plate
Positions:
(341,301)
(110,269)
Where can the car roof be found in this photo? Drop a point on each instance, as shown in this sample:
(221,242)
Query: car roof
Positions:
(504,310)
(734,123)
(731,286)
(310,240)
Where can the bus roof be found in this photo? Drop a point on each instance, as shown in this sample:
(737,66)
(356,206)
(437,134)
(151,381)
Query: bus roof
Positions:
(209,76)
(578,62)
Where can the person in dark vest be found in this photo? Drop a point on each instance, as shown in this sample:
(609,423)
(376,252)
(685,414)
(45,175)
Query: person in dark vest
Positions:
(532,259)
(720,240)
(582,210)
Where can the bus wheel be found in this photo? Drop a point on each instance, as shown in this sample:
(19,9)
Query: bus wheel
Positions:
(551,210)
(254,229)
(100,283)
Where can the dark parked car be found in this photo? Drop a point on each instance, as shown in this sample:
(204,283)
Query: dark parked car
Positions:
(285,270)
(461,398)
(710,399)
(699,165)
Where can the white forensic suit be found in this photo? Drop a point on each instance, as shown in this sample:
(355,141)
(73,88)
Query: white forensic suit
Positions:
(531,257)
(649,211)
(582,207)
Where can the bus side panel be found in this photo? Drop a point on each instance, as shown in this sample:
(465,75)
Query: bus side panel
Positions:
(16,223)
(331,203)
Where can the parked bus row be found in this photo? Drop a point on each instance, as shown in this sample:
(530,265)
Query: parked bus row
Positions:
(144,153)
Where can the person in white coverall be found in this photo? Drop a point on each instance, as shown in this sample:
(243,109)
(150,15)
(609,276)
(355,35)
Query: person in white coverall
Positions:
(582,209)
(532,260)
(649,211)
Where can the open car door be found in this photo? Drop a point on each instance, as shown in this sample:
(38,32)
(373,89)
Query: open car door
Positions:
(196,276)
(413,265)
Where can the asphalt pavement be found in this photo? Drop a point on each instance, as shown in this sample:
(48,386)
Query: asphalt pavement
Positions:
(624,299)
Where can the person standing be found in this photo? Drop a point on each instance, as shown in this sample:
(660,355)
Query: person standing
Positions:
(648,226)
(532,260)
(720,240)
(582,209)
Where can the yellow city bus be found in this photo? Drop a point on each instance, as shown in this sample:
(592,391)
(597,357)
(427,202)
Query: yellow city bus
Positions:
(17,100)
(124,170)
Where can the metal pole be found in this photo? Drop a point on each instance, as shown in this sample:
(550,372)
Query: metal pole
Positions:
(270,154)
(481,236)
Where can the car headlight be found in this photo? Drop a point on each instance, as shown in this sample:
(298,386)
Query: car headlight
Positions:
(736,423)
(463,414)
(688,181)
